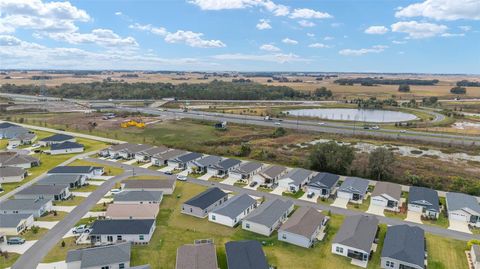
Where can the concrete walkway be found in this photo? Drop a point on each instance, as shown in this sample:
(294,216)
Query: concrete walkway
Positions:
(20,249)
(460,226)
(340,202)
(415,217)
(229,181)
(64,208)
(53,265)
(81,193)
(45,224)
(376,210)
(313,199)
(94,214)
(205,177)
(278,190)
(147,165)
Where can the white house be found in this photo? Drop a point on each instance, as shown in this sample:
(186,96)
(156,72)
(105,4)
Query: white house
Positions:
(66,148)
(56,139)
(475,255)
(101,257)
(267,217)
(464,208)
(354,189)
(11,174)
(246,171)
(137,231)
(303,227)
(87,171)
(387,195)
(36,207)
(425,201)
(233,211)
(295,179)
(14,224)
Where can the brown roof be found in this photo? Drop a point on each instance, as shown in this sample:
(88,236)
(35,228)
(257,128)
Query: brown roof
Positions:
(132,211)
(392,189)
(197,256)
(14,158)
(273,171)
(168,182)
(304,221)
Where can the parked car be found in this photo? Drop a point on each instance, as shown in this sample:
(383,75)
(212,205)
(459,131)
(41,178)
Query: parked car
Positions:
(168,173)
(181,178)
(80,229)
(115,191)
(35,146)
(277,123)
(310,195)
(15,241)
(321,123)
(253,184)
(403,131)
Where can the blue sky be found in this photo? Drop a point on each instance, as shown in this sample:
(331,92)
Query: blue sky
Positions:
(432,36)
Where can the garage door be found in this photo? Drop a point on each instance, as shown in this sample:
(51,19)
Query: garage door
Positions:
(344,195)
(459,217)
(379,201)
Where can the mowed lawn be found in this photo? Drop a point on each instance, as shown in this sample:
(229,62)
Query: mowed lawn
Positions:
(175,229)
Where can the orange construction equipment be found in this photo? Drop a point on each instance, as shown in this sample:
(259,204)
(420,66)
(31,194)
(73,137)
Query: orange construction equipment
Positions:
(135,123)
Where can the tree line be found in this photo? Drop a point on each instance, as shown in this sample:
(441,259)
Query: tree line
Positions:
(368,81)
(466,83)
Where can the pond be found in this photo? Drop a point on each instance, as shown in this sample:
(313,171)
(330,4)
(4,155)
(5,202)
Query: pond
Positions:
(353,114)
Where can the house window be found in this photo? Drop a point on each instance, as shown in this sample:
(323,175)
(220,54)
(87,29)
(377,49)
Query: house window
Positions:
(141,237)
(339,250)
(119,237)
(121,266)
(106,267)
(247,225)
(390,264)
(213,217)
(284,236)
(110,238)
(191,210)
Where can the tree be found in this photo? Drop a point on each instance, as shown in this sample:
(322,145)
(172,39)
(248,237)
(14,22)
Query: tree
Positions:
(331,157)
(245,150)
(380,163)
(280,131)
(322,92)
(404,88)
(458,90)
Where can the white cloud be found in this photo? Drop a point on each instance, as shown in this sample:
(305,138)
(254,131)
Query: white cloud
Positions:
(376,30)
(193,39)
(276,9)
(306,13)
(118,13)
(417,30)
(305,23)
(399,42)
(442,10)
(310,34)
(360,52)
(289,41)
(465,28)
(269,47)
(328,38)
(263,25)
(277,57)
(149,28)
(318,46)
(452,34)
(102,37)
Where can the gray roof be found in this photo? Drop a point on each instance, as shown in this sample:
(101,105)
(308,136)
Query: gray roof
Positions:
(131,148)
(405,243)
(5,125)
(10,158)
(425,197)
(43,189)
(357,231)
(102,255)
(10,171)
(248,167)
(269,212)
(57,138)
(235,205)
(305,222)
(207,161)
(66,145)
(153,151)
(24,136)
(12,220)
(134,196)
(206,198)
(167,183)
(23,204)
(188,157)
(273,171)
(354,185)
(197,256)
(13,131)
(72,170)
(298,175)
(122,226)
(145,266)
(461,201)
(122,146)
(324,181)
(226,164)
(245,254)
(169,154)
(391,189)
(59,179)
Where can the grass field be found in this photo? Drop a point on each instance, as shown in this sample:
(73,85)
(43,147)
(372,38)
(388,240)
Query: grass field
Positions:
(71,202)
(52,217)
(6,262)
(59,253)
(109,170)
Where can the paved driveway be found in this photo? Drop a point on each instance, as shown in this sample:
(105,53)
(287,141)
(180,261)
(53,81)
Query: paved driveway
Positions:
(63,208)
(81,193)
(340,202)
(166,169)
(20,249)
(305,198)
(183,173)
(147,165)
(53,265)
(130,161)
(45,224)
(102,177)
(229,181)
(376,210)
(94,214)
(278,190)
(95,182)
(415,217)
(205,177)
(460,226)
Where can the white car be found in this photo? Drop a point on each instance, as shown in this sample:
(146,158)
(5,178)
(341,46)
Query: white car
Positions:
(115,191)
(181,178)
(321,123)
(403,131)
(80,229)
(375,128)
(277,123)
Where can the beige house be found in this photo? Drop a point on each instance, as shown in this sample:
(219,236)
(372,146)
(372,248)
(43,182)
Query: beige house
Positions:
(132,211)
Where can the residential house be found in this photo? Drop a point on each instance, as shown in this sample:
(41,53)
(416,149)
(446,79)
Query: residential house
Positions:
(295,179)
(323,184)
(387,195)
(55,193)
(10,158)
(233,210)
(303,228)
(161,159)
(132,211)
(137,231)
(66,148)
(126,151)
(166,186)
(138,197)
(181,162)
(403,247)
(200,165)
(10,130)
(100,257)
(197,256)
(354,189)
(267,217)
(205,202)
(246,170)
(56,139)
(464,208)
(245,254)
(271,174)
(10,174)
(222,168)
(425,201)
(14,224)
(36,207)
(22,139)
(355,238)
(87,171)
(72,181)
(146,155)
(475,256)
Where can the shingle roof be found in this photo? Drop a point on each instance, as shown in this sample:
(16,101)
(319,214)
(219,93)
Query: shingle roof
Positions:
(206,198)
(57,138)
(197,256)
(391,189)
(405,243)
(354,185)
(461,201)
(142,226)
(12,220)
(246,254)
(425,197)
(324,180)
(24,136)
(188,157)
(43,189)
(169,154)
(235,205)
(305,222)
(207,161)
(23,204)
(133,211)
(269,212)
(59,179)
(72,170)
(168,182)
(10,171)
(10,158)
(66,145)
(134,196)
(298,175)
(226,164)
(102,255)
(153,151)
(273,171)
(358,232)
(5,125)
(248,167)
(133,148)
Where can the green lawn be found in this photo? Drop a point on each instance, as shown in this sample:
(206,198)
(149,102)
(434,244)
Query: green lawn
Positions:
(444,253)
(76,200)
(9,260)
(30,235)
(52,217)
(87,188)
(99,207)
(442,221)
(3,143)
(109,170)
(59,253)
(360,207)
(295,195)
(240,184)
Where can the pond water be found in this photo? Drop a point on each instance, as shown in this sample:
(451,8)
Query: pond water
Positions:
(352,114)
